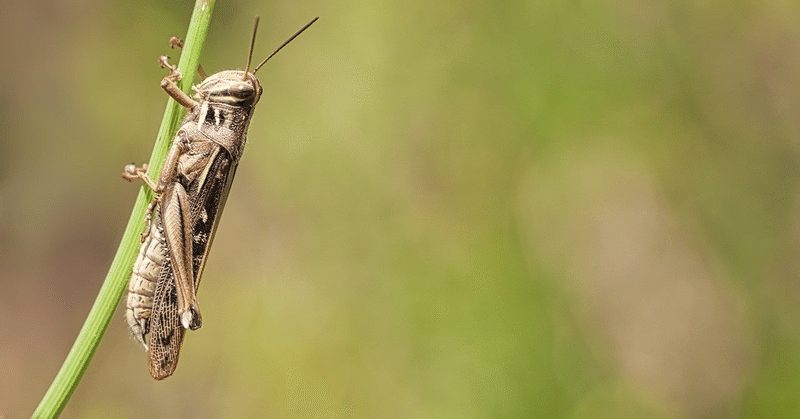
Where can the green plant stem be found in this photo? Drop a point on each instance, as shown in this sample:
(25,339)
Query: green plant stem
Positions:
(112,289)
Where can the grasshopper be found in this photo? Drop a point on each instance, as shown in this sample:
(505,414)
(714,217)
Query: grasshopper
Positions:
(190,194)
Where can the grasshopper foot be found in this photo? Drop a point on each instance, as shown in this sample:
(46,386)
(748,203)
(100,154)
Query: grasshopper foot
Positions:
(175,42)
(131,173)
(174,75)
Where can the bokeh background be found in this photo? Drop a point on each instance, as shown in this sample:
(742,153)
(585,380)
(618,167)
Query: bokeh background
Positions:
(518,209)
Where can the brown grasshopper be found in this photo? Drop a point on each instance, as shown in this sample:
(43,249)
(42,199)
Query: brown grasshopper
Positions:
(190,194)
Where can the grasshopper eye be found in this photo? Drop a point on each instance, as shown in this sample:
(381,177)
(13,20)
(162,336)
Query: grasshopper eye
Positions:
(242,91)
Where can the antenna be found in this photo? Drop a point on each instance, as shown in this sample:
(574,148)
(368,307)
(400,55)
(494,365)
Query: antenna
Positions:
(282,45)
(250,54)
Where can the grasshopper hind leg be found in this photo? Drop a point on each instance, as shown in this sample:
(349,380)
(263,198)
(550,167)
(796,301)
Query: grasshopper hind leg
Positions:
(177,222)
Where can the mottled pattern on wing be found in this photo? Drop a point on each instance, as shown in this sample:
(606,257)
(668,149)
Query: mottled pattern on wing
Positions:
(166,332)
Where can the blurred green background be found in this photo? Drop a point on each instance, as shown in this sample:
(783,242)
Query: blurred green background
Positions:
(445,209)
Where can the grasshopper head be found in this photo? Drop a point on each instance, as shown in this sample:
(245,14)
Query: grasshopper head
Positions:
(235,87)
(231,87)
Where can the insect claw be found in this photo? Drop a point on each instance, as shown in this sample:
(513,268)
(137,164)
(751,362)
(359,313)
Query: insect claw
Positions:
(174,75)
(175,42)
(129,172)
(163,61)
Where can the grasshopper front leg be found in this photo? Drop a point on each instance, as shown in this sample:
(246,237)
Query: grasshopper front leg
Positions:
(168,84)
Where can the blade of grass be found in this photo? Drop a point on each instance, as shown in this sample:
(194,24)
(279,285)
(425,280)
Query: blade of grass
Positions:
(110,293)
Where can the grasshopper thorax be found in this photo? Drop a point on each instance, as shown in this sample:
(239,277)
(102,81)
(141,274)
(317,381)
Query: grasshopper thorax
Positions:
(231,87)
